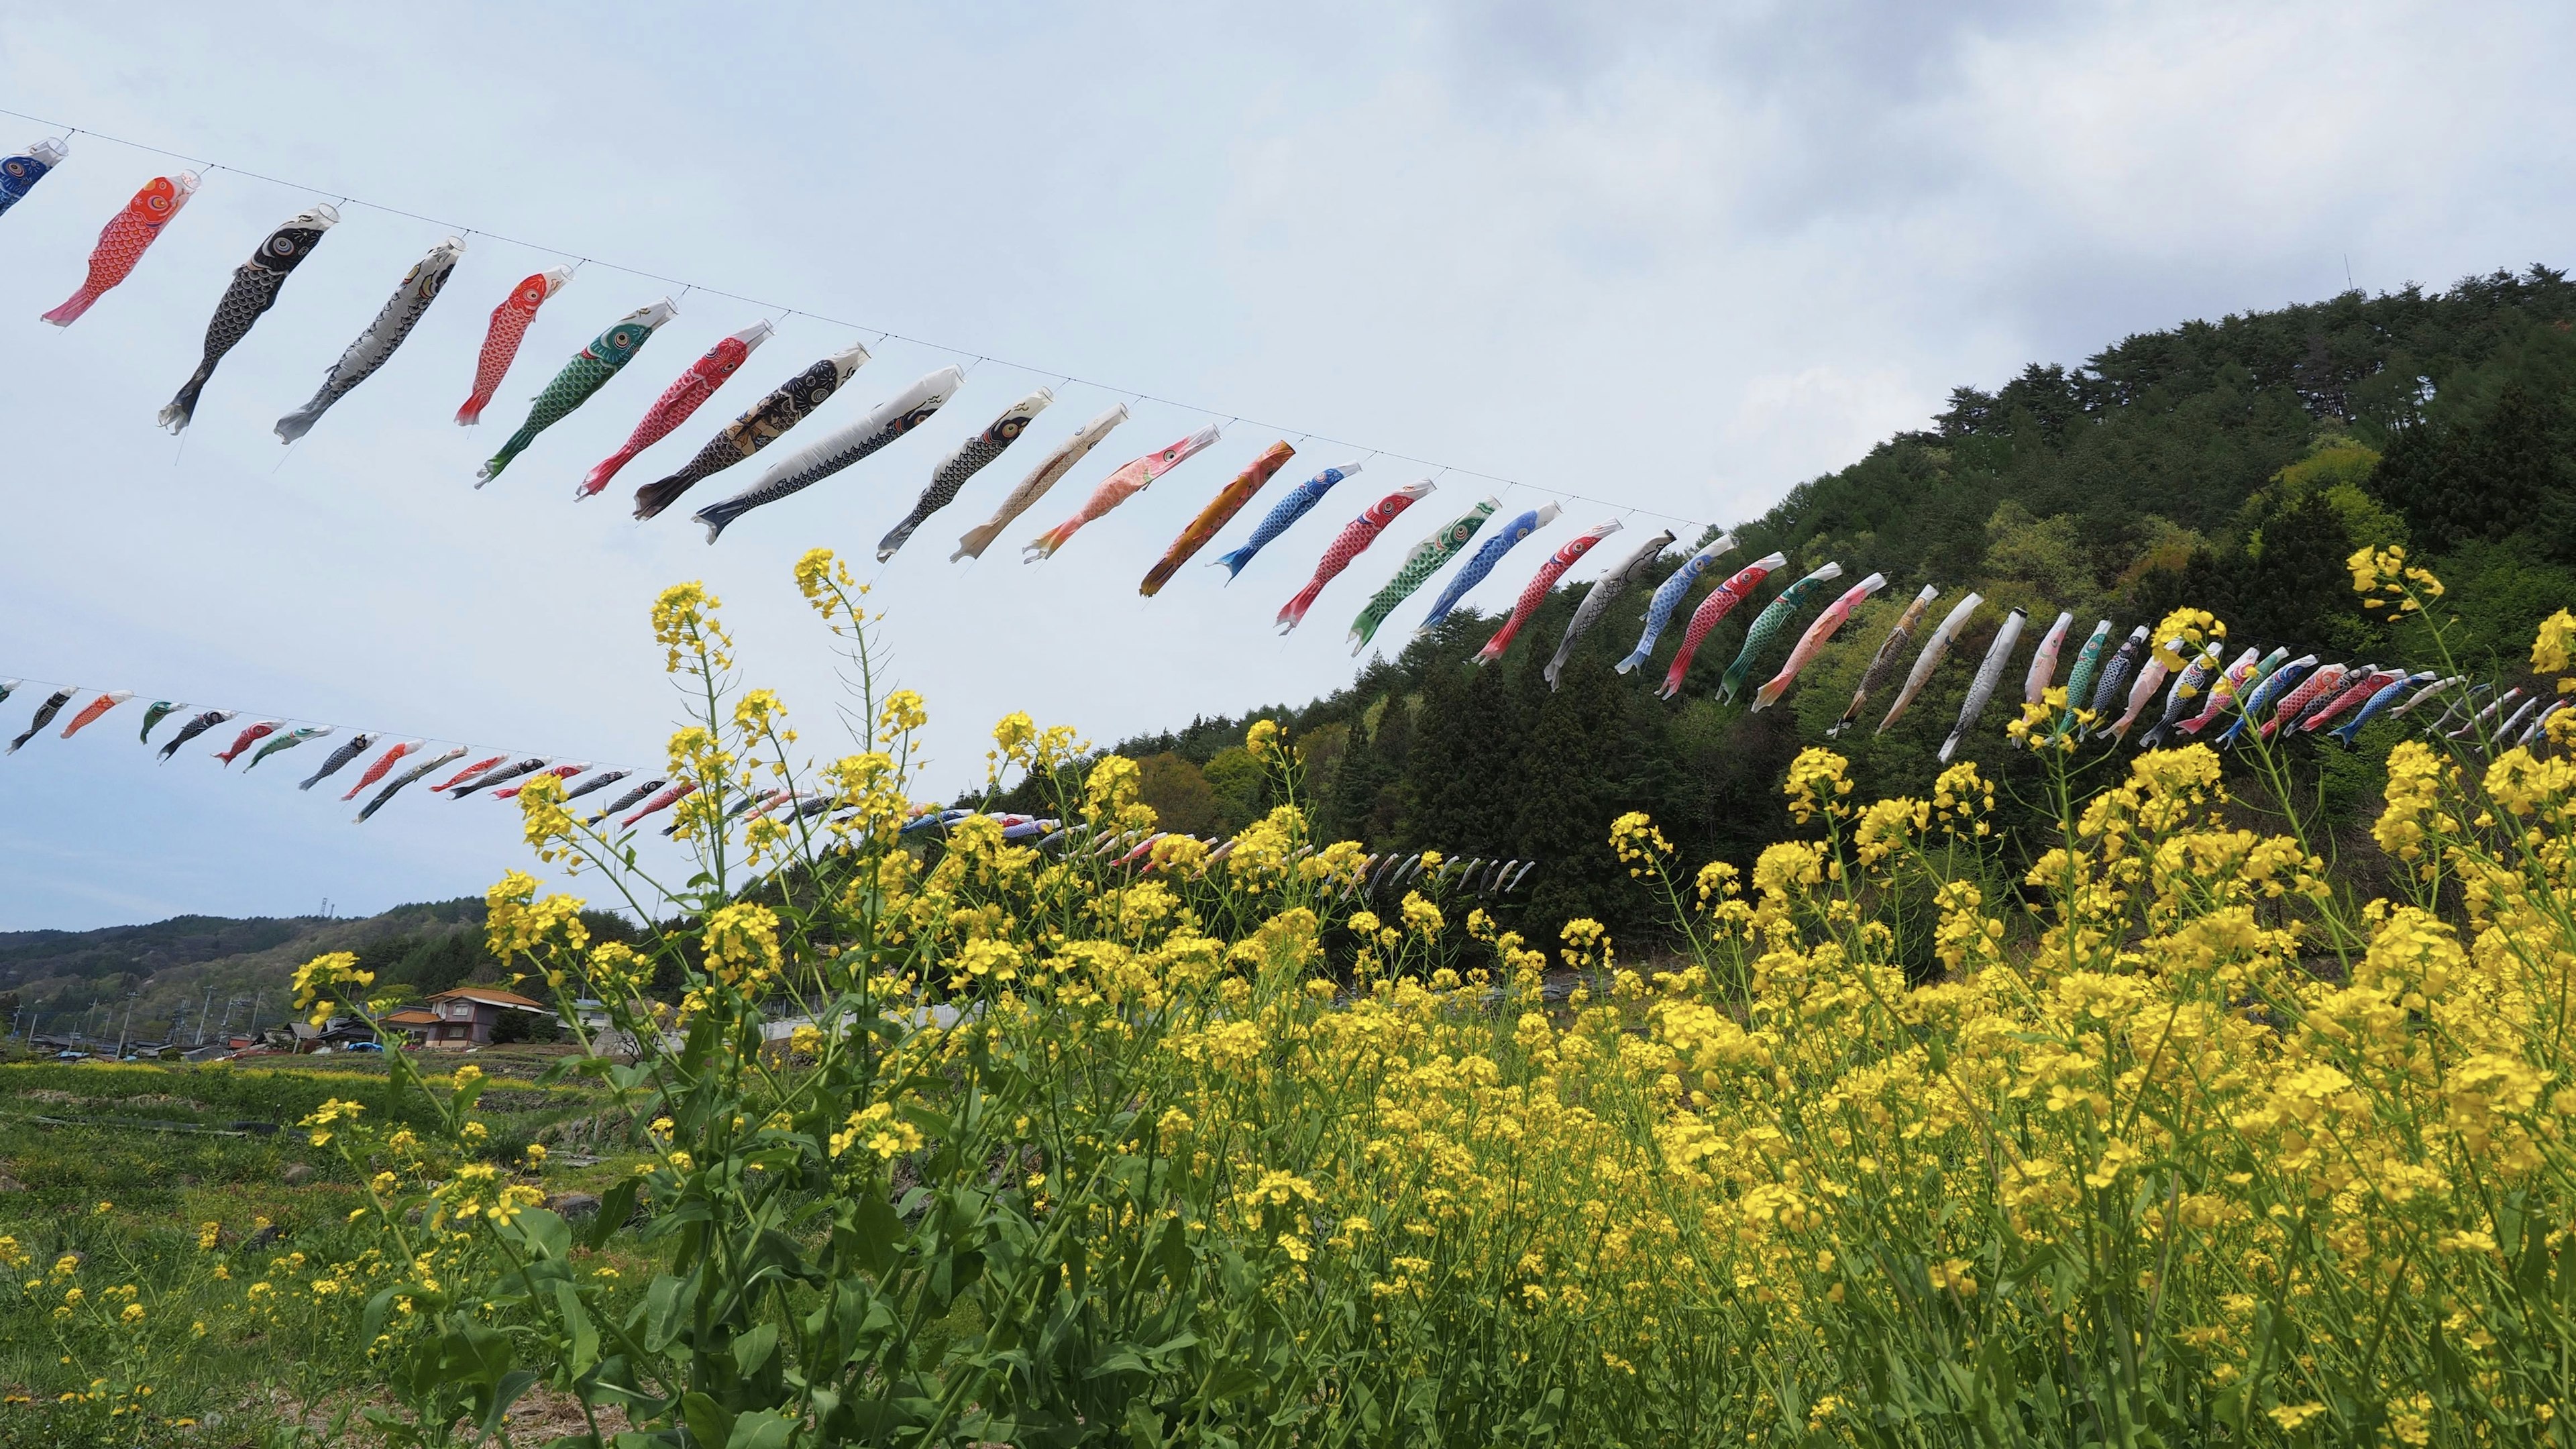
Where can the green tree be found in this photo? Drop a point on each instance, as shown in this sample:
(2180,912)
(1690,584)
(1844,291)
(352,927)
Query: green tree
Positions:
(1179,793)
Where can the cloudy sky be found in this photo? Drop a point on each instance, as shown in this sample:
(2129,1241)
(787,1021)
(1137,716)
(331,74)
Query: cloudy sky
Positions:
(1677,257)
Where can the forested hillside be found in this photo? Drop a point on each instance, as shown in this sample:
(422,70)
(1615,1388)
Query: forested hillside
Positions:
(2232,465)
(188,970)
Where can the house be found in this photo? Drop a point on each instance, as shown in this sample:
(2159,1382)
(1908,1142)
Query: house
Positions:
(414,1022)
(463,1016)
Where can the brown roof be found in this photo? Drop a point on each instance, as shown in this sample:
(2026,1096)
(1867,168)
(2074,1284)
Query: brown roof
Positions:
(412,1016)
(491,995)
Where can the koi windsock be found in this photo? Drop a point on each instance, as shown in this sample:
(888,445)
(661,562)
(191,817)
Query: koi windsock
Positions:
(1481,563)
(2187,687)
(1220,511)
(331,763)
(20,173)
(1534,593)
(1818,634)
(2079,680)
(1283,513)
(2108,691)
(501,776)
(286,741)
(599,781)
(153,714)
(45,712)
(2356,688)
(2043,660)
(762,424)
(1349,544)
(2300,679)
(1129,480)
(2271,680)
(1042,478)
(2438,686)
(587,372)
(2320,687)
(395,786)
(2222,691)
(963,462)
(1669,595)
(194,728)
(1630,572)
(376,769)
(1990,676)
(663,801)
(555,772)
(1426,559)
(253,291)
(831,453)
(1721,601)
(2151,677)
(96,707)
(122,242)
(2482,716)
(687,393)
(473,771)
(1889,649)
(501,339)
(1934,650)
(1775,619)
(627,800)
(402,311)
(249,736)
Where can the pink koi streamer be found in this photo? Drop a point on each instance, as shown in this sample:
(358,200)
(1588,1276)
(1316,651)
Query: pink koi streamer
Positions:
(1815,638)
(1117,488)
(713,369)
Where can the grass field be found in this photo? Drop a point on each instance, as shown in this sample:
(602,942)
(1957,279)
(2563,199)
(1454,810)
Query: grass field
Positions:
(124,1167)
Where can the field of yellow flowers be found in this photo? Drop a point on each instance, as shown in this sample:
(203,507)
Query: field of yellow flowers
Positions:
(2185,1145)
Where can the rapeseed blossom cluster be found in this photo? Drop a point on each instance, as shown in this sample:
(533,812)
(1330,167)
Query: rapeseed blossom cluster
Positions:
(2145,1131)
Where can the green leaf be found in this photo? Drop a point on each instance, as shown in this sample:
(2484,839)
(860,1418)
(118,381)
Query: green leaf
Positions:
(585,1334)
(504,1394)
(709,1422)
(753,1349)
(661,1313)
(874,1231)
(761,1429)
(615,1206)
(547,1235)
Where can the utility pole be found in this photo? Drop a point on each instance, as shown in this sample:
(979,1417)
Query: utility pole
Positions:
(253,1030)
(127,1025)
(205,1011)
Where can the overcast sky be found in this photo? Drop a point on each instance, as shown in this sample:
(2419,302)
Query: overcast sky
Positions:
(1676,256)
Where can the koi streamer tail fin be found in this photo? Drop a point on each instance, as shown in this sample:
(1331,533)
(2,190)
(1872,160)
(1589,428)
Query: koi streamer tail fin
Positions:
(1293,613)
(1045,544)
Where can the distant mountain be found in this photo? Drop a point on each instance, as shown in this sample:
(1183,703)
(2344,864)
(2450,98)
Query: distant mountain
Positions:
(213,970)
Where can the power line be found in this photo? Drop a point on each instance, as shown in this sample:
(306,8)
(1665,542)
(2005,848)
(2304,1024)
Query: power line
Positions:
(882,334)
